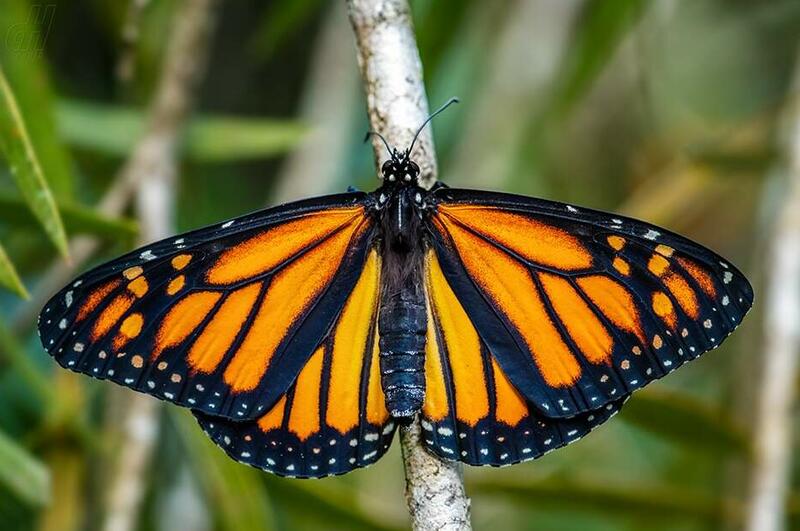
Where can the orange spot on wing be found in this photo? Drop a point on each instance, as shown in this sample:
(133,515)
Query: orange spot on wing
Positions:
(304,414)
(376,401)
(273,419)
(350,342)
(183,319)
(511,407)
(684,294)
(462,345)
(132,272)
(176,284)
(665,250)
(510,286)
(614,301)
(110,315)
(138,286)
(658,265)
(657,341)
(181,261)
(436,404)
(129,329)
(218,335)
(579,319)
(622,266)
(662,306)
(95,298)
(293,289)
(616,242)
(266,251)
(531,239)
(700,276)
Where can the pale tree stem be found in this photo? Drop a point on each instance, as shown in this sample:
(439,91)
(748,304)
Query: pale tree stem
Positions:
(772,463)
(153,168)
(392,76)
(397,105)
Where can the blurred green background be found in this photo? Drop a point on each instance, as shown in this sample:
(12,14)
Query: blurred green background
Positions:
(666,110)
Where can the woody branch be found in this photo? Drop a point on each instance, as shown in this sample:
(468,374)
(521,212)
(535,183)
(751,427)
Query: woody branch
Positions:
(396,102)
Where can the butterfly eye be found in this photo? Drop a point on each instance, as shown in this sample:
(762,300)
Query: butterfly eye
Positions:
(388,171)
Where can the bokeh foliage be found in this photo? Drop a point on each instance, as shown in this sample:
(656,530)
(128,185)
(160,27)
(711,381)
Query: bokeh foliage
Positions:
(666,109)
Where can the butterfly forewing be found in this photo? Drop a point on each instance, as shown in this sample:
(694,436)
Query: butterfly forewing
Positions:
(221,319)
(581,307)
(333,418)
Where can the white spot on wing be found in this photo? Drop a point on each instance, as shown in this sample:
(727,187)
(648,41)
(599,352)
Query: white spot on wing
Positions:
(652,234)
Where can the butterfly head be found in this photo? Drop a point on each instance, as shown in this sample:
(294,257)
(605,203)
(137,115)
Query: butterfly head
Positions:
(400,168)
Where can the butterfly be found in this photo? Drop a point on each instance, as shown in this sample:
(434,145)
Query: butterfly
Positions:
(302,335)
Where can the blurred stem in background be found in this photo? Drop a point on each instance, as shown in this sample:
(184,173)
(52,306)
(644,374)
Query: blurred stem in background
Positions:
(524,62)
(772,429)
(316,165)
(153,166)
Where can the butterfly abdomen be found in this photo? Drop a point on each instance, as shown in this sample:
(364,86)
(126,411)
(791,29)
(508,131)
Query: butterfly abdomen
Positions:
(402,327)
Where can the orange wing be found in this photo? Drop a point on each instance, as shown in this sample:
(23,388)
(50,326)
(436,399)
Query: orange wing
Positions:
(472,412)
(333,418)
(222,319)
(581,307)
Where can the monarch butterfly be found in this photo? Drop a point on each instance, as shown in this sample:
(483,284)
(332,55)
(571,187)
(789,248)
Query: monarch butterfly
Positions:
(300,336)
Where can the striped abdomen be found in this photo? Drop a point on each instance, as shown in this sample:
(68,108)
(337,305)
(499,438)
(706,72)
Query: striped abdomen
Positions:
(402,326)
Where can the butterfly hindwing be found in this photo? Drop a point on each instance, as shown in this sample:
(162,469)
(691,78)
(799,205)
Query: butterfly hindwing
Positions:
(333,418)
(472,413)
(581,307)
(220,319)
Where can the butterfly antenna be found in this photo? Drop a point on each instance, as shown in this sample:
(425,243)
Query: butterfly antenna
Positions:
(429,118)
(385,143)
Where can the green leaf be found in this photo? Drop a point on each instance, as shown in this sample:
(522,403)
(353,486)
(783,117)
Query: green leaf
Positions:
(685,420)
(113,130)
(26,169)
(24,28)
(78,219)
(234,490)
(23,474)
(602,27)
(9,276)
(606,497)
